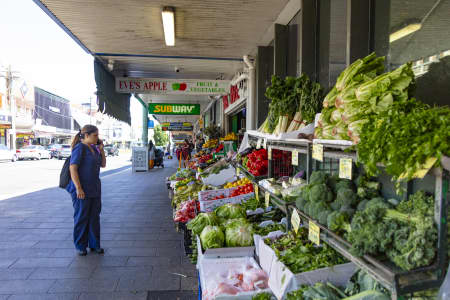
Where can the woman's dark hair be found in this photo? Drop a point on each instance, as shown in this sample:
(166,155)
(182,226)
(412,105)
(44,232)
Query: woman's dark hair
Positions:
(87,129)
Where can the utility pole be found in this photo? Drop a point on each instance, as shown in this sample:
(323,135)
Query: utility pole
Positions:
(9,77)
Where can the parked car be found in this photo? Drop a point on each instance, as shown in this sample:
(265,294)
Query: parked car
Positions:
(33,152)
(65,151)
(111,150)
(54,150)
(7,154)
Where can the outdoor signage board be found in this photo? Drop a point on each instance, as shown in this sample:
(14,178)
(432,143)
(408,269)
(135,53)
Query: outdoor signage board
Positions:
(173,109)
(172,86)
(177,126)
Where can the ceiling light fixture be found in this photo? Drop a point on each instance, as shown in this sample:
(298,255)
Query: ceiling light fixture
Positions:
(407,30)
(168,19)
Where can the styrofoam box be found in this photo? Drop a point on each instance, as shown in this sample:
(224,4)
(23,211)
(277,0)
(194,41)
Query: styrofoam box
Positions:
(223,252)
(208,268)
(283,281)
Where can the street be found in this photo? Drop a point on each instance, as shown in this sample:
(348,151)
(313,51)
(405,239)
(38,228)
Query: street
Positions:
(23,177)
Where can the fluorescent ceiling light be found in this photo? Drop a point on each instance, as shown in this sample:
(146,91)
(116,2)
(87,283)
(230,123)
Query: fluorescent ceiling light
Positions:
(168,18)
(407,30)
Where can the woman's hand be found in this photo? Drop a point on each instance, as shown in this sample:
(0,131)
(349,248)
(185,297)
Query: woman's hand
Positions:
(80,193)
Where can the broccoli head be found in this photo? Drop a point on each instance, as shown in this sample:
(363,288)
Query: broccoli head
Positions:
(347,209)
(320,192)
(323,217)
(362,205)
(318,177)
(338,221)
(378,202)
(346,197)
(344,184)
(300,203)
(335,206)
(317,208)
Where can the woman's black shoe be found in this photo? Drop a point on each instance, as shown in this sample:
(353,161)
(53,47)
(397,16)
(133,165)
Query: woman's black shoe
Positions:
(82,252)
(98,250)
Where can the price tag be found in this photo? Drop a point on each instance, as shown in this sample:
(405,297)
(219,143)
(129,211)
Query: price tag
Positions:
(269,153)
(267,199)
(314,233)
(265,144)
(295,220)
(238,171)
(317,152)
(345,168)
(258,144)
(294,157)
(256,189)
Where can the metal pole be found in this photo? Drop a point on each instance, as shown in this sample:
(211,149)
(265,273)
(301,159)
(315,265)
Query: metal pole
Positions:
(144,120)
(12,101)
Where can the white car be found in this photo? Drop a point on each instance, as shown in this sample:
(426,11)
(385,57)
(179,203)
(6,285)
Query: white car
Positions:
(7,154)
(64,152)
(33,152)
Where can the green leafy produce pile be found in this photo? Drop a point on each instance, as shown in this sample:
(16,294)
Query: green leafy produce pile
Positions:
(263,296)
(291,98)
(407,235)
(183,193)
(263,231)
(298,254)
(425,130)
(252,204)
(193,257)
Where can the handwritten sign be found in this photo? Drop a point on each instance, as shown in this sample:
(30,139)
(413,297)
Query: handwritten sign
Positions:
(295,220)
(345,168)
(267,199)
(265,144)
(238,171)
(258,144)
(269,153)
(295,158)
(314,233)
(256,190)
(317,152)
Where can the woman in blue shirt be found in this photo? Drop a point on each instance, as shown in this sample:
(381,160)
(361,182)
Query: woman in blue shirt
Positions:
(85,188)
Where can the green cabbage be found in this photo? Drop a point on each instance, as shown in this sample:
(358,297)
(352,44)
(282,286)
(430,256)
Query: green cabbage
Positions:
(230,211)
(212,237)
(239,234)
(201,220)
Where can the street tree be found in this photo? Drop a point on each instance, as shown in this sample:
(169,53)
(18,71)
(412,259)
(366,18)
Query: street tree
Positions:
(161,138)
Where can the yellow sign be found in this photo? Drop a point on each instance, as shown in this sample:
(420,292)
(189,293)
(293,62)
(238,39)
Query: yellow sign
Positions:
(269,153)
(256,189)
(295,220)
(317,152)
(424,170)
(238,171)
(295,158)
(200,122)
(258,144)
(267,198)
(345,168)
(265,144)
(314,233)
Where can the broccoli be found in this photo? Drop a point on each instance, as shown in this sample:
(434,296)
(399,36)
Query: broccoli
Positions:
(304,192)
(332,181)
(307,208)
(344,184)
(362,205)
(378,202)
(347,209)
(323,216)
(320,192)
(318,207)
(335,205)
(338,221)
(300,203)
(346,197)
(318,177)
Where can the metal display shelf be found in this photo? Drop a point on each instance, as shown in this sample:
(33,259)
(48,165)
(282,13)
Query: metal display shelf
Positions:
(277,201)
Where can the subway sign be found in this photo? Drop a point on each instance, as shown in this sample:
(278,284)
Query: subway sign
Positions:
(173,109)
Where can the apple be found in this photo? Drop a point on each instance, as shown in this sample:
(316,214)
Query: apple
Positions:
(175,86)
(183,87)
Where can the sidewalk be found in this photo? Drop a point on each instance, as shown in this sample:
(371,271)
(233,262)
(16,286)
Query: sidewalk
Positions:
(143,250)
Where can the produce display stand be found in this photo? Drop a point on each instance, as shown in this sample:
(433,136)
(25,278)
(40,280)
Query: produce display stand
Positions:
(399,282)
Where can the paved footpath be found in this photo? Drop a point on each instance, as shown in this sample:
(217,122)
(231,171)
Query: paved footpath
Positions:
(144,256)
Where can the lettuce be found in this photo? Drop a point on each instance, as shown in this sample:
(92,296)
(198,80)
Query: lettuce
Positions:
(239,234)
(212,237)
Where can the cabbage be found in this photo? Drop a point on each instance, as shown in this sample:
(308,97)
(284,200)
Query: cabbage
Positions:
(230,211)
(212,237)
(239,234)
(202,220)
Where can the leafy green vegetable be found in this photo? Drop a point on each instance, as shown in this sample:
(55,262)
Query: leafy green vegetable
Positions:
(200,221)
(230,211)
(263,231)
(369,295)
(238,234)
(346,197)
(338,221)
(320,192)
(263,296)
(318,177)
(212,237)
(360,282)
(322,291)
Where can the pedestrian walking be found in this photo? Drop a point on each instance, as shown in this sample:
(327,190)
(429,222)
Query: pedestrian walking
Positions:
(87,157)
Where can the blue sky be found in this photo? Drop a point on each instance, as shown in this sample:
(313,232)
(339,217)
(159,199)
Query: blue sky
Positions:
(43,53)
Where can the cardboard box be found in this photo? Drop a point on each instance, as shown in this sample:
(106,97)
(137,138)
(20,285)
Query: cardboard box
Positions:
(224,252)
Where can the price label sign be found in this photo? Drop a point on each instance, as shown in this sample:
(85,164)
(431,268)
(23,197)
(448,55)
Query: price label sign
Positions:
(295,158)
(345,168)
(269,153)
(295,220)
(317,152)
(267,199)
(238,171)
(258,144)
(265,144)
(256,189)
(314,233)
